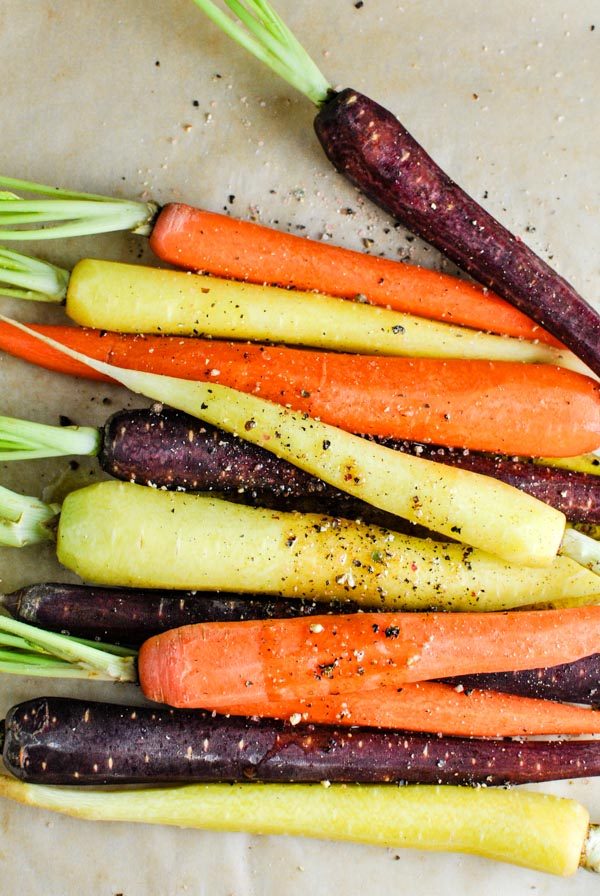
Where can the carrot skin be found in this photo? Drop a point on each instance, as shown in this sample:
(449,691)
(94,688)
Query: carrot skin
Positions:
(466,404)
(216,665)
(436,708)
(48,739)
(241,250)
(369,146)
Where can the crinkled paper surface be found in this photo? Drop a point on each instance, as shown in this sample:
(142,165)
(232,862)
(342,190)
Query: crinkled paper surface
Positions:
(147,99)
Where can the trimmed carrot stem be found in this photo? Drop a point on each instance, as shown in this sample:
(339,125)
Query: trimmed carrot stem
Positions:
(504,407)
(227,247)
(216,664)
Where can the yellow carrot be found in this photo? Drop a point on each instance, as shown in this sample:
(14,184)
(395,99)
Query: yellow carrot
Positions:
(135,299)
(534,830)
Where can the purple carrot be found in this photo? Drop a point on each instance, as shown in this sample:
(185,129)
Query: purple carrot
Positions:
(55,740)
(169,449)
(131,616)
(577,682)
(368,145)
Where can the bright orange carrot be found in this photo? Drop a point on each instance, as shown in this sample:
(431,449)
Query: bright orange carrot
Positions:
(509,408)
(436,708)
(216,664)
(217,244)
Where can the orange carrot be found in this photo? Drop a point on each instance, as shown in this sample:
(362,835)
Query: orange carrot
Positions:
(434,708)
(217,244)
(217,664)
(504,407)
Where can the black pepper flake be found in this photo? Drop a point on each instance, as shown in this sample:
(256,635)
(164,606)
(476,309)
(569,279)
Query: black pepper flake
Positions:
(157,63)
(392,631)
(203,406)
(304,393)
(359,4)
(326,444)
(327,669)
(249,424)
(457,529)
(231,198)
(375,627)
(397,328)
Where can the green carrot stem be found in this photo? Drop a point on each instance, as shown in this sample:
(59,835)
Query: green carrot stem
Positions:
(67,213)
(264,34)
(52,654)
(24,277)
(25,520)
(25,440)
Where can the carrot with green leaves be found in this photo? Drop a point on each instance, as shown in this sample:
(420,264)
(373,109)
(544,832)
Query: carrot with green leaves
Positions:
(132,615)
(428,706)
(167,449)
(507,407)
(119,534)
(240,250)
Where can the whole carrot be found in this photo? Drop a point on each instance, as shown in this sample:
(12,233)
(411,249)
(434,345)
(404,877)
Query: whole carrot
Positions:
(215,665)
(54,740)
(505,407)
(217,244)
(368,145)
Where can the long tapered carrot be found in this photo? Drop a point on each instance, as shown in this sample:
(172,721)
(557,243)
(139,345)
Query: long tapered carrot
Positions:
(505,407)
(227,247)
(435,708)
(216,664)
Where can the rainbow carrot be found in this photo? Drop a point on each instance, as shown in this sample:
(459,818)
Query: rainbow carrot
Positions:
(503,407)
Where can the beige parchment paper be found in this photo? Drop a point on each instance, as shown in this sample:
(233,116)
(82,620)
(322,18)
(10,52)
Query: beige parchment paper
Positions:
(144,99)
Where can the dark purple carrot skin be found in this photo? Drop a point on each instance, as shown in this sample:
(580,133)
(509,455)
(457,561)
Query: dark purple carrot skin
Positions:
(369,146)
(577,682)
(169,449)
(130,616)
(63,741)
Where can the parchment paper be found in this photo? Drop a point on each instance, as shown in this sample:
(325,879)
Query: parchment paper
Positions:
(147,99)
